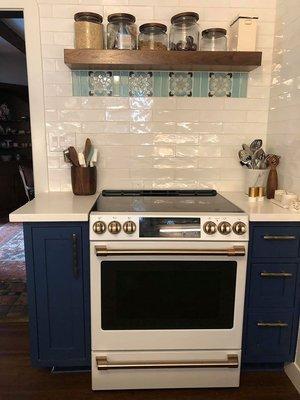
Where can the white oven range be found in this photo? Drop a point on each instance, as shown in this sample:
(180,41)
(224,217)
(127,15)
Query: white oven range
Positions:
(167,292)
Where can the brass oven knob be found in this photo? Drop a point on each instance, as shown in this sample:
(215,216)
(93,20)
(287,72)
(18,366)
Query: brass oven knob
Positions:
(114,227)
(129,227)
(210,227)
(99,227)
(239,228)
(224,228)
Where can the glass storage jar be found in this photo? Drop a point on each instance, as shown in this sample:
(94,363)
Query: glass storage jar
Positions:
(214,39)
(184,32)
(153,36)
(121,32)
(89,31)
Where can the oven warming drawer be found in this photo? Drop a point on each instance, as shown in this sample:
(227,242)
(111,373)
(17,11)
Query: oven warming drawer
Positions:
(165,369)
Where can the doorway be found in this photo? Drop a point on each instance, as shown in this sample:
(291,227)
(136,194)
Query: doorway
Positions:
(16,169)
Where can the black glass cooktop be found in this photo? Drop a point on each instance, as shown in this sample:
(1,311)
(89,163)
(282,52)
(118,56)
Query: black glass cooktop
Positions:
(169,201)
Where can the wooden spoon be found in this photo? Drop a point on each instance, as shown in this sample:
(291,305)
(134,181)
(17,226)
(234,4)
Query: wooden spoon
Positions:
(73,156)
(87,150)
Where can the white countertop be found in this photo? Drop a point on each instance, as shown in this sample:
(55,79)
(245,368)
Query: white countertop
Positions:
(66,207)
(55,207)
(261,210)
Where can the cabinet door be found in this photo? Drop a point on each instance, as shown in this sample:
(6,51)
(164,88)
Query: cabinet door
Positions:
(59,287)
(268,337)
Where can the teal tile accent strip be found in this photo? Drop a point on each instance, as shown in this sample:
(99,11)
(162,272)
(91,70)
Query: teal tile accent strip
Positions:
(159,83)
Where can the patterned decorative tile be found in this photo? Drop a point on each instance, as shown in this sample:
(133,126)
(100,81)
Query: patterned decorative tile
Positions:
(181,84)
(159,84)
(141,84)
(220,84)
(100,83)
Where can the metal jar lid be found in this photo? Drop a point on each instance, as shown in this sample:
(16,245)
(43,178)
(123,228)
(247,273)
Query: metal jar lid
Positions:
(217,32)
(153,26)
(183,16)
(121,17)
(89,17)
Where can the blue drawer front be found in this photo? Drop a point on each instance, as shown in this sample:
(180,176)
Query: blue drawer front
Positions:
(265,343)
(275,241)
(273,285)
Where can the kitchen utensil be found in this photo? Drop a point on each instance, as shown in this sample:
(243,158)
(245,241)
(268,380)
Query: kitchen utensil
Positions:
(81,160)
(246,148)
(255,145)
(73,156)
(272,183)
(94,157)
(90,155)
(66,156)
(87,149)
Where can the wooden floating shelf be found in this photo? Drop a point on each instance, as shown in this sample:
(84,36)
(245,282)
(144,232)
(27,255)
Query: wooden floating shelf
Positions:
(152,60)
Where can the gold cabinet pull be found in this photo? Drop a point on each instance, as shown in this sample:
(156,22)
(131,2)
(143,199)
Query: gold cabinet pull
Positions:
(278,324)
(276,274)
(278,237)
(230,252)
(231,362)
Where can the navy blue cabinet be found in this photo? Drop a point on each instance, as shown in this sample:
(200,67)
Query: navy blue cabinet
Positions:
(272,294)
(57,262)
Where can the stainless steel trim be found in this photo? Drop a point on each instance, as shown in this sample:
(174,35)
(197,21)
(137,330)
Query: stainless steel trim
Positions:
(278,237)
(230,252)
(276,274)
(231,362)
(278,324)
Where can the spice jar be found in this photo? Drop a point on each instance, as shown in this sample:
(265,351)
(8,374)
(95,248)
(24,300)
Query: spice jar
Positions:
(121,32)
(153,36)
(89,32)
(184,32)
(214,39)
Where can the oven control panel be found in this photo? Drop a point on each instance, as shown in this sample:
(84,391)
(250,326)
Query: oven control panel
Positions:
(157,227)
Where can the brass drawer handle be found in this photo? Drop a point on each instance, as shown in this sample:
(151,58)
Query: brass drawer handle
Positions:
(230,252)
(278,324)
(278,237)
(231,362)
(276,274)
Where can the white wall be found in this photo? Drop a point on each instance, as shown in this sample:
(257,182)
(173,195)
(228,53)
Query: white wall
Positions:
(284,116)
(159,142)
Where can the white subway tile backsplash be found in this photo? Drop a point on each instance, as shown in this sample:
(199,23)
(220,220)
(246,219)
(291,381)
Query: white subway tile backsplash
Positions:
(158,142)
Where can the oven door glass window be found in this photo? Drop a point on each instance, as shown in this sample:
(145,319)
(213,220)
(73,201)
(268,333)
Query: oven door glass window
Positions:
(167,294)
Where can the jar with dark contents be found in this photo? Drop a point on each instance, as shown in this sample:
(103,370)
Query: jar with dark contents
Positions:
(184,32)
(153,36)
(121,32)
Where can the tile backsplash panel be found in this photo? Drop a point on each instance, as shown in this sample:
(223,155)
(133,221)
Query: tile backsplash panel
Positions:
(159,141)
(284,116)
(159,84)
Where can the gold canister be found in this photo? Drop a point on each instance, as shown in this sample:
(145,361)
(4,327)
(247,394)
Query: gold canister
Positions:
(253,191)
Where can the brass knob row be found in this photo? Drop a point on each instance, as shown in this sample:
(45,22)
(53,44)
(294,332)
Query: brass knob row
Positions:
(225,228)
(114,227)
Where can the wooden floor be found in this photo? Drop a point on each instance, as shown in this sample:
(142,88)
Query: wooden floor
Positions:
(19,381)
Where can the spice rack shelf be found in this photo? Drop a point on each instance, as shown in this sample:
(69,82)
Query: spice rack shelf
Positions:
(154,60)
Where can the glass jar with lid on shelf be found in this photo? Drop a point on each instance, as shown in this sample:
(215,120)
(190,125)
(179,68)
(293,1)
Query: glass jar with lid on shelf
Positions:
(153,36)
(214,39)
(121,32)
(184,32)
(89,31)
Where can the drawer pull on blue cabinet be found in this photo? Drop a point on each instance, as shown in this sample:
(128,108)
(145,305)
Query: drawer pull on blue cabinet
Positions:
(75,261)
(278,324)
(277,237)
(276,274)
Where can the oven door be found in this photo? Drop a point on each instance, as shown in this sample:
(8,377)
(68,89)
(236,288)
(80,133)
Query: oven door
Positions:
(151,296)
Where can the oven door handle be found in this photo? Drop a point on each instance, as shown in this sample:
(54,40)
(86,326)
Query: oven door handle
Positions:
(231,362)
(102,251)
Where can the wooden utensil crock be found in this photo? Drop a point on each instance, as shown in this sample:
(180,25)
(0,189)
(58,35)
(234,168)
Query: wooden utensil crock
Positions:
(84,180)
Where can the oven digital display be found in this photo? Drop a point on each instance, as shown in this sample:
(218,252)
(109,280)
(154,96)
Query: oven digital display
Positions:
(170,227)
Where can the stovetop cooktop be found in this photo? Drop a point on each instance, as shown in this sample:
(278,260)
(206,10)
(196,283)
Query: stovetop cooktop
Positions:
(179,201)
